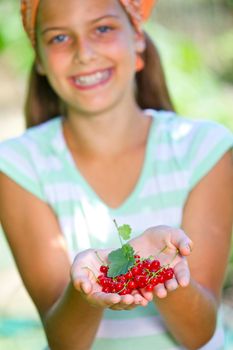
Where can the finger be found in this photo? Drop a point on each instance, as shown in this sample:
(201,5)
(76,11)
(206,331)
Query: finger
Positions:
(126,301)
(129,302)
(182,273)
(171,285)
(144,302)
(147,295)
(104,299)
(160,291)
(132,306)
(139,298)
(185,246)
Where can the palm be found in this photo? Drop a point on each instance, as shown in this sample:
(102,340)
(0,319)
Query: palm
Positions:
(85,271)
(169,246)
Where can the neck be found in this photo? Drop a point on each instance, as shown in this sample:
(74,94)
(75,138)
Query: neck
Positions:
(108,134)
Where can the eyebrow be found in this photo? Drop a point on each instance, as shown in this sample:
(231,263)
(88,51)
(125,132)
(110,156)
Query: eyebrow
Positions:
(44,31)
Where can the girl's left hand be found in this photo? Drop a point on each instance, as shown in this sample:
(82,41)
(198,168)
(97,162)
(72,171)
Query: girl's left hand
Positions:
(84,272)
(170,246)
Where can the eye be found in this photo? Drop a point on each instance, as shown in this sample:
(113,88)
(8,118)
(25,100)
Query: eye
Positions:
(104,29)
(61,38)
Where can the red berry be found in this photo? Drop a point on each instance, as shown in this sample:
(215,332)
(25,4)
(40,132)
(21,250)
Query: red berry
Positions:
(149,288)
(106,290)
(146,264)
(106,282)
(141,281)
(161,278)
(132,285)
(144,272)
(123,292)
(168,273)
(100,277)
(154,281)
(155,265)
(104,269)
(135,271)
(121,278)
(119,286)
(128,291)
(137,256)
(139,266)
(129,275)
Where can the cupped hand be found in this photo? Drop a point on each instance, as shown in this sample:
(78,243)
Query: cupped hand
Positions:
(170,246)
(84,273)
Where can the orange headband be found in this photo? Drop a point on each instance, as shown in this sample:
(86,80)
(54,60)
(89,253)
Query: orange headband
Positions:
(138,10)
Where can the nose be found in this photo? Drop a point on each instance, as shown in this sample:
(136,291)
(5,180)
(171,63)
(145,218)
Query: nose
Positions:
(85,51)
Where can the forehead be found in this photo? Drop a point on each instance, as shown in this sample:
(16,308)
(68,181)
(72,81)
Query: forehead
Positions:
(76,10)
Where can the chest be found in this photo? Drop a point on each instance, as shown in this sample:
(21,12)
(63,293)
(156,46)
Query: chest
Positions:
(113,179)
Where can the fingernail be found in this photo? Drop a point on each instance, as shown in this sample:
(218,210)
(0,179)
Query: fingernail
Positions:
(184,282)
(188,247)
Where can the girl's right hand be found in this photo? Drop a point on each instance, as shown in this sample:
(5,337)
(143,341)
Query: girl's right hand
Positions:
(84,272)
(172,245)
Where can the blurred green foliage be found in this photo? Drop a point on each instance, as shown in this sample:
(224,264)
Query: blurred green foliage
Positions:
(14,46)
(198,91)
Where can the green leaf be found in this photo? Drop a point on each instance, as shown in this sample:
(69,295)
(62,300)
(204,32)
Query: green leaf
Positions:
(120,261)
(125,231)
(128,251)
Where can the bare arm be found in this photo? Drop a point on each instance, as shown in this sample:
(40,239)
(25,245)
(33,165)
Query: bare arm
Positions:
(68,299)
(41,256)
(208,222)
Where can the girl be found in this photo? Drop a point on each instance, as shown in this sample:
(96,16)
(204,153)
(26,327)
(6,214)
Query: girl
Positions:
(102,146)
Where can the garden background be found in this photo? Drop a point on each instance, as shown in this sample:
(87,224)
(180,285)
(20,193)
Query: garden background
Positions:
(195,40)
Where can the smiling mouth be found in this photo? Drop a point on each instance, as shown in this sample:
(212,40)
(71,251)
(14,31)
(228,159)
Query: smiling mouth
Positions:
(92,80)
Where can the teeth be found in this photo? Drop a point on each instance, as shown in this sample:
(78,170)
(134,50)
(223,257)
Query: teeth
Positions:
(92,79)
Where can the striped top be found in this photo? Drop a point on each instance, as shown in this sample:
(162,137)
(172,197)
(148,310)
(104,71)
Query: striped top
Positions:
(179,153)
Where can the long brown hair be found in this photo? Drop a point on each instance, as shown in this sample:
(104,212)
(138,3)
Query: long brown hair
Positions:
(43,104)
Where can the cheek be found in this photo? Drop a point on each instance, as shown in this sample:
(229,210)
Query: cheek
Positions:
(58,62)
(122,50)
(119,44)
(53,62)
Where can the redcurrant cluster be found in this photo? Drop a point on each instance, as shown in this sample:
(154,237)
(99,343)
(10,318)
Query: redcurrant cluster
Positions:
(145,273)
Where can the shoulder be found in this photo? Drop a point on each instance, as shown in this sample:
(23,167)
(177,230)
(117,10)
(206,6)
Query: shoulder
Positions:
(187,133)
(27,159)
(178,128)
(192,145)
(39,137)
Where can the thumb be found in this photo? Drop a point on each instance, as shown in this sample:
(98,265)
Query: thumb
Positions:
(82,283)
(180,241)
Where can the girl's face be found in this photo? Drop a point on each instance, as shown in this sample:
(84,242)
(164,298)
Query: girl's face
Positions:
(87,49)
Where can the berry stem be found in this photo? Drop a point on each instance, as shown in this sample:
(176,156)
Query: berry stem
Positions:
(156,273)
(117,227)
(89,269)
(177,253)
(101,260)
(162,250)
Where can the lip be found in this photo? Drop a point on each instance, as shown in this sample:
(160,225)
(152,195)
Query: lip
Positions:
(91,87)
